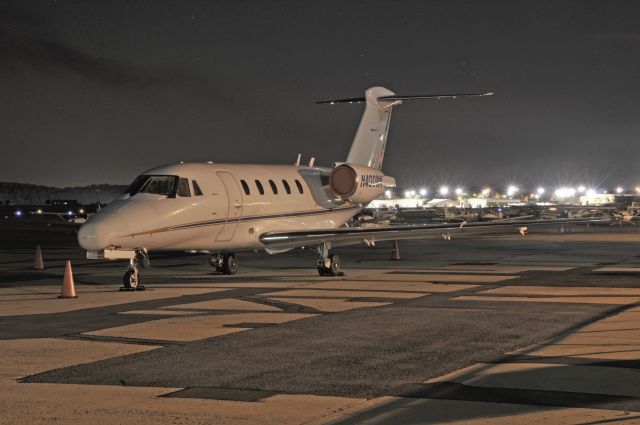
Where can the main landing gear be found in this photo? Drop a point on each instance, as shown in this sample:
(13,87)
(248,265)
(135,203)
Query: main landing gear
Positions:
(224,263)
(130,280)
(328,264)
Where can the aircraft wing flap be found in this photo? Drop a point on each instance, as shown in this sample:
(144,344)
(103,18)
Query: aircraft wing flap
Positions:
(355,235)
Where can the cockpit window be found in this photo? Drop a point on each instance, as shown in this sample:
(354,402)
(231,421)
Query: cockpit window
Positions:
(183,188)
(196,189)
(136,185)
(157,185)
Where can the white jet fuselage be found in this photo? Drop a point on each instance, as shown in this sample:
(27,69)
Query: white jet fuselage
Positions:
(227,209)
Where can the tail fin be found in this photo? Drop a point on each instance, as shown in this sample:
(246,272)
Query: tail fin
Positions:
(371,138)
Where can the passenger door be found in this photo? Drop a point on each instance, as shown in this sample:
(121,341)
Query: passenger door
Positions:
(234,206)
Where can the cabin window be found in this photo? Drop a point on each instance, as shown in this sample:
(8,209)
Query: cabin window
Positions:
(245,186)
(260,188)
(286,187)
(196,189)
(274,189)
(299,186)
(183,188)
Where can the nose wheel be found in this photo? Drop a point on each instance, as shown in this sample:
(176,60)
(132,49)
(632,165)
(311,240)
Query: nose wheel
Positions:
(131,279)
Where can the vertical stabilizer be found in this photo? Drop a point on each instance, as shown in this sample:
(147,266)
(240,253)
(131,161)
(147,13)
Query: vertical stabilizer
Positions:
(371,138)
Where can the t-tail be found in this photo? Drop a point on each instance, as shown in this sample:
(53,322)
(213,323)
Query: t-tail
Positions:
(370,141)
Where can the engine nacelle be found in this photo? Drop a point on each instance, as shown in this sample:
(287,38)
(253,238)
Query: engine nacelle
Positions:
(359,184)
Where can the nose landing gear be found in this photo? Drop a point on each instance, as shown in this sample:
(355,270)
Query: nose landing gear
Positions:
(224,263)
(130,280)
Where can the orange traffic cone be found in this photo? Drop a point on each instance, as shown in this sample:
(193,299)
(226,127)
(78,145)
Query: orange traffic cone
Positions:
(38,264)
(395,251)
(68,289)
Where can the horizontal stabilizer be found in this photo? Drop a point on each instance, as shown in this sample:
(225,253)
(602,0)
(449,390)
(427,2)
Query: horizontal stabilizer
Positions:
(331,102)
(434,96)
(406,97)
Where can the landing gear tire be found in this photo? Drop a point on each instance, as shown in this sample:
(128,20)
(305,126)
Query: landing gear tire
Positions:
(332,266)
(229,264)
(130,279)
(336,265)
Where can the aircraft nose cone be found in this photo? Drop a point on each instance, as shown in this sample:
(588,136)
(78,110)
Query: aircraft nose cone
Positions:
(97,233)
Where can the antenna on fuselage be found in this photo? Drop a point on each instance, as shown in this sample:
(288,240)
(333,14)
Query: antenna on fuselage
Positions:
(298,160)
(312,161)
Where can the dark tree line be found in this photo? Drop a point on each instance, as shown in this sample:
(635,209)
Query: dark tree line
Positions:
(23,193)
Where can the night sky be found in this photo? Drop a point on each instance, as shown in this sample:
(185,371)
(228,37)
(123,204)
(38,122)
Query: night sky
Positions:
(99,91)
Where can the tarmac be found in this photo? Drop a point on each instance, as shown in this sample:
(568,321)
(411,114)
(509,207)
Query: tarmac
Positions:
(526,330)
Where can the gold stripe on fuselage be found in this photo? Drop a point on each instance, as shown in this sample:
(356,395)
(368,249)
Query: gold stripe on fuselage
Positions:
(242,219)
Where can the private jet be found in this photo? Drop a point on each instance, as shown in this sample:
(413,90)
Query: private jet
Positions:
(221,209)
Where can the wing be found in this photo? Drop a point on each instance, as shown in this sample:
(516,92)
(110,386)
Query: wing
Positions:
(354,235)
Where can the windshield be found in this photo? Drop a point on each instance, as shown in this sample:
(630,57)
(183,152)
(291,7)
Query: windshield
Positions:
(157,185)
